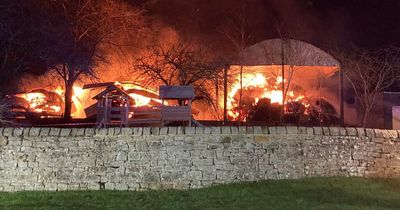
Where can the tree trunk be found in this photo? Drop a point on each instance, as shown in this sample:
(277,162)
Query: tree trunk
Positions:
(69,91)
(365,115)
(241,93)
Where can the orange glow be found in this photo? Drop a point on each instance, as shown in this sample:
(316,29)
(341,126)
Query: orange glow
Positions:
(139,100)
(270,88)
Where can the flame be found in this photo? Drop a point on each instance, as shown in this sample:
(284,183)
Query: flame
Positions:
(140,100)
(270,88)
(41,101)
(35,99)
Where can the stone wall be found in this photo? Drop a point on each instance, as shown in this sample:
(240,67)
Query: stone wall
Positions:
(188,157)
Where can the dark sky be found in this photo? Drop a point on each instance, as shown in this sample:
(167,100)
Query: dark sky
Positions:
(364,23)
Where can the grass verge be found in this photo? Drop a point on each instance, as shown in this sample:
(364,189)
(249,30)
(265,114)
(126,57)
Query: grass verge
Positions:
(311,193)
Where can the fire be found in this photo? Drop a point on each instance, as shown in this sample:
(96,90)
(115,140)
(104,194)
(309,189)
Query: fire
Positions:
(42,101)
(35,100)
(140,100)
(259,86)
(50,103)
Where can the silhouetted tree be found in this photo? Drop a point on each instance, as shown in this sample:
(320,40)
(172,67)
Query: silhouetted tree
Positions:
(79,30)
(179,63)
(370,73)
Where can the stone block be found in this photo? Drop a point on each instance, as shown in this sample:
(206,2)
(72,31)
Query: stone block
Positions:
(164,131)
(281,130)
(292,130)
(334,131)
(242,129)
(155,131)
(261,138)
(79,132)
(249,130)
(272,130)
(385,133)
(361,132)
(318,131)
(117,131)
(18,131)
(90,131)
(180,130)
(200,130)
(195,175)
(139,131)
(126,132)
(121,187)
(50,186)
(215,130)
(101,132)
(226,130)
(34,132)
(8,131)
(3,141)
(265,129)
(351,131)
(207,130)
(310,131)
(190,130)
(234,130)
(111,132)
(378,133)
(109,186)
(65,132)
(44,131)
(393,134)
(257,130)
(62,187)
(370,132)
(342,131)
(302,130)
(172,130)
(326,131)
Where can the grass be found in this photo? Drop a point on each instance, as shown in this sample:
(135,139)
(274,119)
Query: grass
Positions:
(312,193)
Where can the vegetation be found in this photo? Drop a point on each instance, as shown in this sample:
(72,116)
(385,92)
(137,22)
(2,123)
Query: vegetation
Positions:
(312,193)
(76,40)
(370,72)
(179,62)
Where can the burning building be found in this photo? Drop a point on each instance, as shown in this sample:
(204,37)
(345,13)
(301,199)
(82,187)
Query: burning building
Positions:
(283,72)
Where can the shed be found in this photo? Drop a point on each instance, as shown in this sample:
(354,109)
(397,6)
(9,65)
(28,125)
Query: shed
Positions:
(183,111)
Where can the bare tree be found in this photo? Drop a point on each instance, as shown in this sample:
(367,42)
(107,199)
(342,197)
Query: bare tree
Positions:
(237,30)
(179,63)
(80,30)
(370,73)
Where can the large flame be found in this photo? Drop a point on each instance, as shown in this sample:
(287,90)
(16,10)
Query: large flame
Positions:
(270,88)
(44,101)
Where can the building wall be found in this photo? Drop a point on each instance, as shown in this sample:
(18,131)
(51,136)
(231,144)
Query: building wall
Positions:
(188,157)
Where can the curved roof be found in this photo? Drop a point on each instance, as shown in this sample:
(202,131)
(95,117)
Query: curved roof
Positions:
(297,53)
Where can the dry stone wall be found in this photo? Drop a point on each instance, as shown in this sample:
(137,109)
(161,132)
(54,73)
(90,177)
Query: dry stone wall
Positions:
(188,157)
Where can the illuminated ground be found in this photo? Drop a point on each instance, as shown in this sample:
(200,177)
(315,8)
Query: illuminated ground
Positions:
(314,193)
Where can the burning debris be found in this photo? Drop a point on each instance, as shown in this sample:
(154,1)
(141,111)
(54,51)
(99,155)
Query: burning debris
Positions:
(256,87)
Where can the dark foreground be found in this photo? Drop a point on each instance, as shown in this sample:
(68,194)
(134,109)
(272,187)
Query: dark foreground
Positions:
(313,193)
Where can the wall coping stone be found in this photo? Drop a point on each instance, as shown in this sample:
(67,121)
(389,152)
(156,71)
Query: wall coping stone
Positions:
(213,130)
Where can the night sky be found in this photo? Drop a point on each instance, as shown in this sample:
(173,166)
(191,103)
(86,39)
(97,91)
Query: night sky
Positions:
(325,23)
